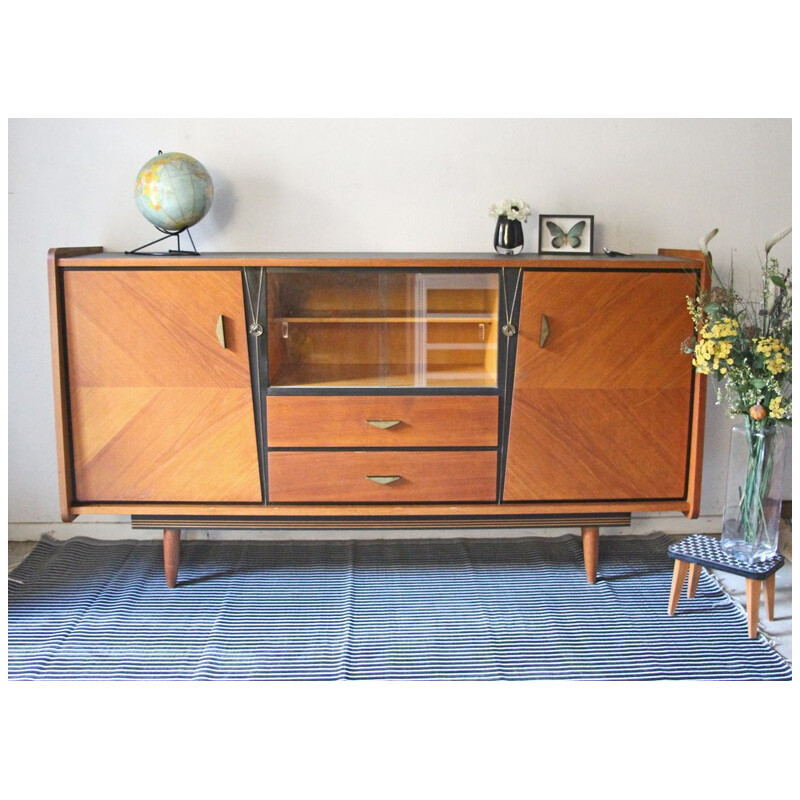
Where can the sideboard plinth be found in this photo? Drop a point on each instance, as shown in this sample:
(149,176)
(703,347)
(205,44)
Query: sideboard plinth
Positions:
(589,525)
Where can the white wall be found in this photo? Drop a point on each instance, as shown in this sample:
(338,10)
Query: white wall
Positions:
(374,185)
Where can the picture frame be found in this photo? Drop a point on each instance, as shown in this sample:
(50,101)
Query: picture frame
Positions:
(558,234)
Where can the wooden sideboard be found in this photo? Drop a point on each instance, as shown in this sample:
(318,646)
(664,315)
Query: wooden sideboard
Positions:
(442,391)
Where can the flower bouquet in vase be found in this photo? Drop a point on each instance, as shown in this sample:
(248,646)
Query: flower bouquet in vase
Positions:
(745,344)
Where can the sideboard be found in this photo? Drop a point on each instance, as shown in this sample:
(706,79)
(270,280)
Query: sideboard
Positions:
(351,390)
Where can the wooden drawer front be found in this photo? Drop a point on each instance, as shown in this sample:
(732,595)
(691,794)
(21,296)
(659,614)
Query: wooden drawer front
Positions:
(335,477)
(360,421)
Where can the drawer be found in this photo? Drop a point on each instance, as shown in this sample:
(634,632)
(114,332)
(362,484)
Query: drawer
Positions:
(382,421)
(382,477)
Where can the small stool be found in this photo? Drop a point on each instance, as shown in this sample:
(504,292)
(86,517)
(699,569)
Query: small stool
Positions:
(697,551)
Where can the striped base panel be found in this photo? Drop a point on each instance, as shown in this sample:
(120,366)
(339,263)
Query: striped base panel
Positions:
(382,522)
(450,609)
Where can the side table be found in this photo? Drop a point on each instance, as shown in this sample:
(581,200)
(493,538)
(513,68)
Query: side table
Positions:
(698,550)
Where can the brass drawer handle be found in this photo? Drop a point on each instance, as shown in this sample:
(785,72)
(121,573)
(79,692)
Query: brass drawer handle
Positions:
(221,330)
(544,331)
(383,479)
(383,424)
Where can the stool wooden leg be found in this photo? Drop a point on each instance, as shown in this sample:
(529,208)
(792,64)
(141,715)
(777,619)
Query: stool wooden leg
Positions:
(769,596)
(591,547)
(753,598)
(172,555)
(678,578)
(694,577)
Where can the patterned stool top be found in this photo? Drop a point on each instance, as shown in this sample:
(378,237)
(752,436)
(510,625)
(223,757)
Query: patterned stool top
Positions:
(707,551)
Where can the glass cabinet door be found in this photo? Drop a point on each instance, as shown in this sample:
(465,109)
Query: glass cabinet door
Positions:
(381,328)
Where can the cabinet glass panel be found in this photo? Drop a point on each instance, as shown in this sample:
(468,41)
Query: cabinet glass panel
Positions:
(382,328)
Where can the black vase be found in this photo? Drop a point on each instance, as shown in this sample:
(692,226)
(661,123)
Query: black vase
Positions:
(508,236)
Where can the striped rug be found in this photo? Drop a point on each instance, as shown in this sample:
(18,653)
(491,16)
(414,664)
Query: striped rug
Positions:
(417,609)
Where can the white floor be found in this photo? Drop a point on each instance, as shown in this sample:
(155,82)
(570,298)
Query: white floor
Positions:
(778,631)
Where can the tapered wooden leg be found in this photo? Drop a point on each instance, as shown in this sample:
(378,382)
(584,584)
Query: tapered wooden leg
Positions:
(769,596)
(694,577)
(753,599)
(678,579)
(591,548)
(172,555)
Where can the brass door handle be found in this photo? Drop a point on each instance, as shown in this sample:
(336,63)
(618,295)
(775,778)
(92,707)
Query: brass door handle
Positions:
(544,331)
(383,479)
(221,331)
(383,424)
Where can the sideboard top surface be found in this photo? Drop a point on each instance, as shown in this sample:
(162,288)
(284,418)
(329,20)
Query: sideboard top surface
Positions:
(94,257)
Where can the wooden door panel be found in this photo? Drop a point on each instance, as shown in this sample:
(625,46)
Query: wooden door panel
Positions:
(602,409)
(159,410)
(598,445)
(155,328)
(165,445)
(606,330)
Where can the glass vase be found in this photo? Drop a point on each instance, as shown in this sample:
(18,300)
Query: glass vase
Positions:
(751,519)
(508,239)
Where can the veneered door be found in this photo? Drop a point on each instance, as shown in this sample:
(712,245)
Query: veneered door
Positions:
(159,409)
(601,404)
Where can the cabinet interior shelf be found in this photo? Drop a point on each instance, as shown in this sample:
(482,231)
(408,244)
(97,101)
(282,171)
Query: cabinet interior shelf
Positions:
(482,346)
(430,318)
(377,375)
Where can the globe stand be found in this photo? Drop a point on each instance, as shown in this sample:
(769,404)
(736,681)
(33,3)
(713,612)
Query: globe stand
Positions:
(167,234)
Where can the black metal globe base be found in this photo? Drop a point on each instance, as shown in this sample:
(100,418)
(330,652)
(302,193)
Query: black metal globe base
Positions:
(167,235)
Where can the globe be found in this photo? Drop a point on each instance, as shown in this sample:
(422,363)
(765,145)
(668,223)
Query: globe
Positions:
(173,191)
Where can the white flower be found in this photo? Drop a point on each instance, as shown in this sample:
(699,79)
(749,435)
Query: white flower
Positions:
(775,239)
(518,209)
(513,209)
(706,239)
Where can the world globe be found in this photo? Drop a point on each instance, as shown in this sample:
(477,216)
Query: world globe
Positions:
(173,191)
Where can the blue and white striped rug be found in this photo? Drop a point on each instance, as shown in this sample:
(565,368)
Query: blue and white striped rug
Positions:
(414,609)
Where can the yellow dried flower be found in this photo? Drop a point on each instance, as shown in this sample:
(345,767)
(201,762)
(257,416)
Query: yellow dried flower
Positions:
(774,352)
(776,410)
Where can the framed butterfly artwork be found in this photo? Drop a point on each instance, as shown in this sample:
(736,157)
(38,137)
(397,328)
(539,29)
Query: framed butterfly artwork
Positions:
(566,234)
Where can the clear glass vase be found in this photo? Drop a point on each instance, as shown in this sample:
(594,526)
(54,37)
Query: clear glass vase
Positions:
(751,518)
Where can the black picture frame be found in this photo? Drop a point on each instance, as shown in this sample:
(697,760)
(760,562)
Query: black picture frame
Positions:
(565,223)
